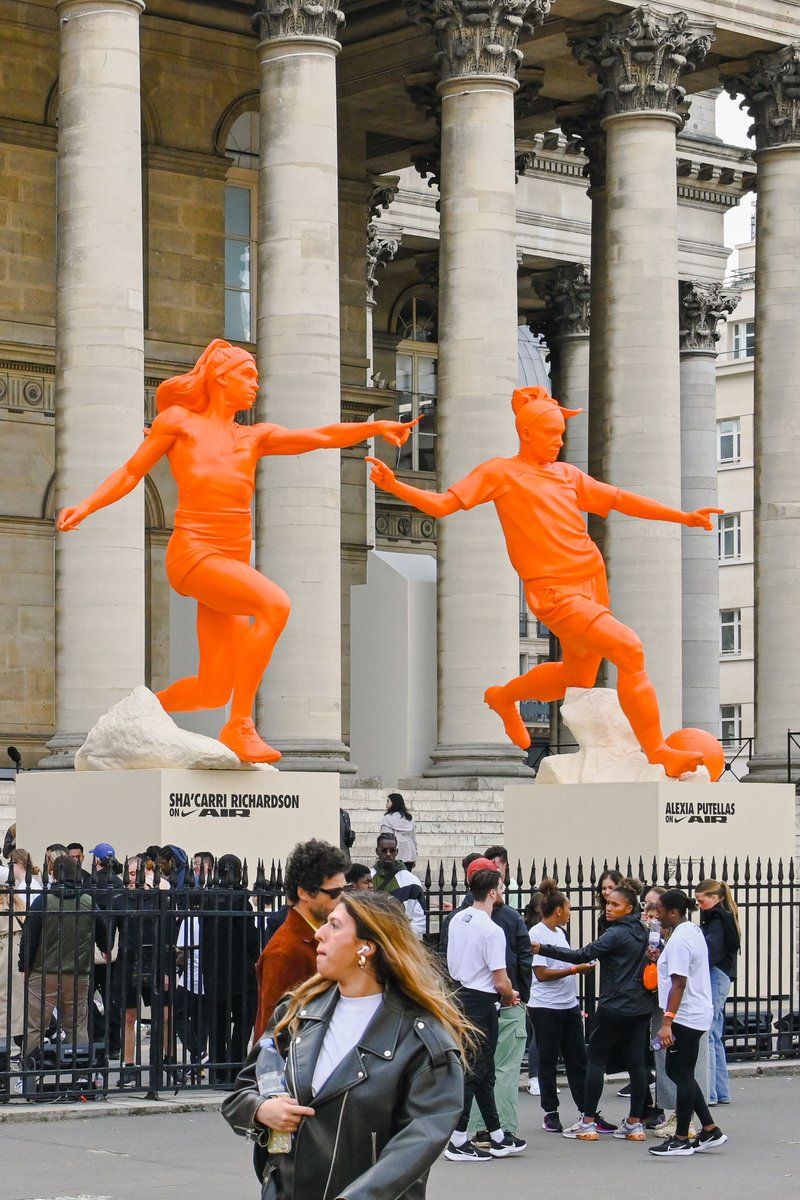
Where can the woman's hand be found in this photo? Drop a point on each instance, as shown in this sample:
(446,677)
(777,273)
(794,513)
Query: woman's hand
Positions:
(701,518)
(666,1036)
(536,947)
(396,433)
(70,518)
(282,1113)
(653,953)
(381,475)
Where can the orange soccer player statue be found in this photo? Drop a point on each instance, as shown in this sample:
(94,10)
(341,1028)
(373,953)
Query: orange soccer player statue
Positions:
(213,460)
(540,503)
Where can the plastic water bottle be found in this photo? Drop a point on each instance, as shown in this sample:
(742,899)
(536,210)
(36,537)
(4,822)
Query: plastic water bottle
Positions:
(654,937)
(656,1043)
(271,1082)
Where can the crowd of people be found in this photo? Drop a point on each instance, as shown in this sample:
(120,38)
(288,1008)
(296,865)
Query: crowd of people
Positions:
(342,965)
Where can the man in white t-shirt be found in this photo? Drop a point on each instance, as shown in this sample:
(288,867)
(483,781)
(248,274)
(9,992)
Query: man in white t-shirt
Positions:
(684,993)
(476,960)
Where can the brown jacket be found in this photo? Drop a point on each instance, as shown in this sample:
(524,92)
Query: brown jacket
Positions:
(288,960)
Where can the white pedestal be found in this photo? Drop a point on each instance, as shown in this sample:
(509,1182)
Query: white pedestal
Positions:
(666,820)
(254,814)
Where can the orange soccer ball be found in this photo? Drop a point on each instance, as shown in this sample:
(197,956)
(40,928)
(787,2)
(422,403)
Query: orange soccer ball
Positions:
(700,739)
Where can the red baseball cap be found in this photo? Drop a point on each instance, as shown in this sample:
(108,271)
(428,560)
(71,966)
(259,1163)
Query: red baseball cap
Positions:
(480,864)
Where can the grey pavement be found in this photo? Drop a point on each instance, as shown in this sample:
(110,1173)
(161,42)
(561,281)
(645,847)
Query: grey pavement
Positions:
(183,1155)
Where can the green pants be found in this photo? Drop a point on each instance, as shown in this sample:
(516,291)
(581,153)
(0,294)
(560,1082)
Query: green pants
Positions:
(507,1064)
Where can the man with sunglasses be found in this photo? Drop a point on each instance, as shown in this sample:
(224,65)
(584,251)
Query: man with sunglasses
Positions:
(391,876)
(313,880)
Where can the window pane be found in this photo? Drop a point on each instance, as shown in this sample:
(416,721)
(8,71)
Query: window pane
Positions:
(426,375)
(237,211)
(242,143)
(237,264)
(237,316)
(404,379)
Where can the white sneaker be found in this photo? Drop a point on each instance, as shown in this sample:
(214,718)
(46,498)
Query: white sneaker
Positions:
(533,1087)
(667,1128)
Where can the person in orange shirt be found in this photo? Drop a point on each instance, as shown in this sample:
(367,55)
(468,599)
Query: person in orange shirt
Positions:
(214,460)
(540,503)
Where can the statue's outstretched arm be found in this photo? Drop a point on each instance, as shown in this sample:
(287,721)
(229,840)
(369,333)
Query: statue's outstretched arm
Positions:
(633,505)
(434,504)
(122,481)
(275,439)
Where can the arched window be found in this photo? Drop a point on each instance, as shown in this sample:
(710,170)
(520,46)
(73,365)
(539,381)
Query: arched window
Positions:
(241,228)
(416,366)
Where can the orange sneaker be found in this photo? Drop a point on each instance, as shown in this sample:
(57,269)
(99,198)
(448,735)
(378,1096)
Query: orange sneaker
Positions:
(242,738)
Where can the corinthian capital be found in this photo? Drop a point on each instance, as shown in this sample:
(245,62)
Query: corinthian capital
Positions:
(297,19)
(639,57)
(702,307)
(567,293)
(771,96)
(479,37)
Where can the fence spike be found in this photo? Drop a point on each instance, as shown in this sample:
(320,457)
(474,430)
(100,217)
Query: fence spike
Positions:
(689,874)
(441,875)
(279,876)
(567,875)
(427,877)
(769,870)
(735,870)
(616,863)
(245,877)
(260,882)
(592,875)
(454,877)
(519,875)
(555,870)
(532,877)
(780,870)
(758,869)
(654,871)
(747,870)
(678,871)
(666,872)
(701,870)
(580,872)
(791,870)
(629,871)
(641,870)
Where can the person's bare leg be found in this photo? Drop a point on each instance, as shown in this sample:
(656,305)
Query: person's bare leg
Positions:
(637,696)
(546,682)
(211,687)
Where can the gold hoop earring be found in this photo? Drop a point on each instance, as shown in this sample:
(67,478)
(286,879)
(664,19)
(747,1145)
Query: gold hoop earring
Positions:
(362,961)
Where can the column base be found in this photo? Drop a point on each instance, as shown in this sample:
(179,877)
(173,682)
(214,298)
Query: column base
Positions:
(62,747)
(473,766)
(323,755)
(767,768)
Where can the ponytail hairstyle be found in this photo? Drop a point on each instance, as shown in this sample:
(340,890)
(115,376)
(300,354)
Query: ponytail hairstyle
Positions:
(552,898)
(716,887)
(191,391)
(676,900)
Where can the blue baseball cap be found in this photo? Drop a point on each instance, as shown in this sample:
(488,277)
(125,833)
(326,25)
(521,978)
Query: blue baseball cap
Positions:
(103,850)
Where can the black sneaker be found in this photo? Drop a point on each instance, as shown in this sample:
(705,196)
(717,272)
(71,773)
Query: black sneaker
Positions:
(128,1078)
(709,1139)
(481,1138)
(509,1145)
(604,1126)
(654,1117)
(671,1148)
(552,1123)
(469,1152)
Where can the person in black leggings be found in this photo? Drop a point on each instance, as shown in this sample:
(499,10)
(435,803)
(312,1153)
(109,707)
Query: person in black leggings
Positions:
(684,993)
(622,1020)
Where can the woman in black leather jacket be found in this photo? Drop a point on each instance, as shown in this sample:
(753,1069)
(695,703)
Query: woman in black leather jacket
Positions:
(622,1019)
(373,1051)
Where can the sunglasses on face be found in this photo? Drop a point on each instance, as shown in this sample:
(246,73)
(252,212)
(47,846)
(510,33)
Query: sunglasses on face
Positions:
(334,893)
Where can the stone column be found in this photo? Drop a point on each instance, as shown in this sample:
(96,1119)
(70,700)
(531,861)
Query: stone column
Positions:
(298,499)
(638,57)
(772,95)
(702,307)
(567,291)
(478,607)
(100,570)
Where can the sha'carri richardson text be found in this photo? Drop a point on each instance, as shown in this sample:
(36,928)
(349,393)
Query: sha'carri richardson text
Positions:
(227,804)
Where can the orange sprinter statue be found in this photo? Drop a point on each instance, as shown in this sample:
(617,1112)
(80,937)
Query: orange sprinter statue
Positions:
(540,503)
(213,460)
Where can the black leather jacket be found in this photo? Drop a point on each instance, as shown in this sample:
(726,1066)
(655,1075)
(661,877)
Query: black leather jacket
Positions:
(620,950)
(382,1118)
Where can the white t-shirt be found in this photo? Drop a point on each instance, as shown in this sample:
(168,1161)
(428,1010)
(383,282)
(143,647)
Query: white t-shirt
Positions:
(557,993)
(685,953)
(350,1018)
(189,941)
(475,948)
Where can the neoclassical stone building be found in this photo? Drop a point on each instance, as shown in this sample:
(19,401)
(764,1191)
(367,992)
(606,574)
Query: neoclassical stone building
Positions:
(383,203)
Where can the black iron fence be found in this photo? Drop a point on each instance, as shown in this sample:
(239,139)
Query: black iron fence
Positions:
(153,988)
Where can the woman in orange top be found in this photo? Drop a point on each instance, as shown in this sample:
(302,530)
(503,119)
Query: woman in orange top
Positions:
(214,460)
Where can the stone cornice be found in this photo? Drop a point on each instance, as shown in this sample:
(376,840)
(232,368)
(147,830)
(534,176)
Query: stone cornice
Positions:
(478,37)
(186,162)
(771,96)
(702,307)
(566,292)
(27,133)
(278,19)
(639,57)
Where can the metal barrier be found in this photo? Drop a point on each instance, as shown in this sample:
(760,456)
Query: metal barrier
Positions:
(150,989)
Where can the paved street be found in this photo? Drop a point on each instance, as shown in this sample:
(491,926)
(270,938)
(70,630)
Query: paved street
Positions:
(180,1156)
